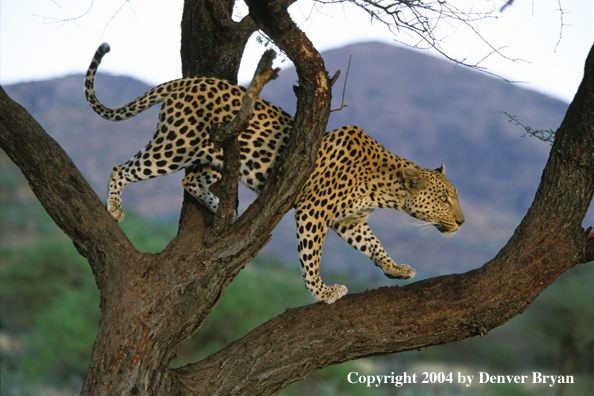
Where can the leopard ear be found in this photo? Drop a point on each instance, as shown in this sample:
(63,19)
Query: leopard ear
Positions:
(413,180)
(441,169)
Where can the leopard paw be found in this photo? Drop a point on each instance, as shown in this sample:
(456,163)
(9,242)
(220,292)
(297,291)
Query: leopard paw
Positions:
(333,293)
(400,271)
(116,212)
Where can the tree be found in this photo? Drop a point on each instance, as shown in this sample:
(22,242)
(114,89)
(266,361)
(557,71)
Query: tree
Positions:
(152,303)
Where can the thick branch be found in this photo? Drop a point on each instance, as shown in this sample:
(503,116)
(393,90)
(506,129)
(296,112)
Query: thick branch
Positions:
(252,231)
(548,242)
(212,19)
(61,189)
(311,117)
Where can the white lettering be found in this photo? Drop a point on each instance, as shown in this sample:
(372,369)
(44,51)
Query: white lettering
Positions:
(376,380)
(538,378)
(552,377)
(569,379)
(349,377)
(507,379)
(463,379)
(483,377)
(565,380)
(379,380)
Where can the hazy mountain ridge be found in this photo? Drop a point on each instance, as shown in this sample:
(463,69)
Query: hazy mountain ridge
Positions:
(431,112)
(421,108)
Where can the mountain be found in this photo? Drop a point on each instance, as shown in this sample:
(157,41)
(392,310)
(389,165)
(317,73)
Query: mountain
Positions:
(432,112)
(421,108)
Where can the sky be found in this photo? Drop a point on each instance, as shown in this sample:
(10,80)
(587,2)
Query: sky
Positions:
(541,48)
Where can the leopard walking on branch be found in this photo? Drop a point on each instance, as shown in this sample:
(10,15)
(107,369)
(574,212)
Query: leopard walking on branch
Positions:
(354,174)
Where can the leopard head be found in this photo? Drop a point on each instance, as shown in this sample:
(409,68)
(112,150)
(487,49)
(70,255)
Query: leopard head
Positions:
(432,198)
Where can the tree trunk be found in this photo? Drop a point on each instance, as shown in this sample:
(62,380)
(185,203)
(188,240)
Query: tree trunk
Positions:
(151,303)
(212,43)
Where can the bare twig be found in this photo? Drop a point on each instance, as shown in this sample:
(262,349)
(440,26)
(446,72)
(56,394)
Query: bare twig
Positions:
(263,74)
(421,19)
(116,14)
(342,105)
(561,13)
(509,3)
(63,21)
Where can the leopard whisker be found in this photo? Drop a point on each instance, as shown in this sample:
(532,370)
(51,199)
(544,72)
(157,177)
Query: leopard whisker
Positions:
(428,228)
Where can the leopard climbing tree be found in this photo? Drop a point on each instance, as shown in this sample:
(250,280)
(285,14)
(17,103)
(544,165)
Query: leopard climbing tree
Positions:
(152,303)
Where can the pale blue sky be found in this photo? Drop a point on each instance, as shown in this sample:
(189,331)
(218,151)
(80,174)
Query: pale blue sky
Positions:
(38,41)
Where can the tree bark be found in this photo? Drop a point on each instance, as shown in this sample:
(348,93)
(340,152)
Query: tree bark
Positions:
(151,303)
(212,43)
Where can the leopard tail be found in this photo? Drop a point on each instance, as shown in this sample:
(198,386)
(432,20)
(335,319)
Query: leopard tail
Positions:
(138,105)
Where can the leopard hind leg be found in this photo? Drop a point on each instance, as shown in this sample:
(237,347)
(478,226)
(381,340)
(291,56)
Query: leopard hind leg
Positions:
(197,183)
(117,182)
(146,164)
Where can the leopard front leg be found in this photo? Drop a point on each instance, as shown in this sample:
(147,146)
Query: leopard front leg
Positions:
(356,232)
(310,236)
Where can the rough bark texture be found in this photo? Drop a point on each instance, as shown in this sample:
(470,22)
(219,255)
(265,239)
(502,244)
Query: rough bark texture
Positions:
(151,303)
(220,54)
(212,45)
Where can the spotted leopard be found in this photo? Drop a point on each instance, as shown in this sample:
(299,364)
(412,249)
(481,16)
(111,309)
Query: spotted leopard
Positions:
(354,174)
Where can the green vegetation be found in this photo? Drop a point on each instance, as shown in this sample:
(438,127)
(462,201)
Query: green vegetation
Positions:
(541,134)
(253,298)
(49,308)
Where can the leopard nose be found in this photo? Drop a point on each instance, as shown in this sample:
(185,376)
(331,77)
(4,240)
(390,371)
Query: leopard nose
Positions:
(460,222)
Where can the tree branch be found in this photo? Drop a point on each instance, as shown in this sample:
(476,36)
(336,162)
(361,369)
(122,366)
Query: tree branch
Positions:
(548,242)
(152,303)
(61,189)
(212,18)
(422,18)
(284,183)
(225,138)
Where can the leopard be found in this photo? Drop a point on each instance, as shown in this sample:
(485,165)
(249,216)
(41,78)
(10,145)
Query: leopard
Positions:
(353,175)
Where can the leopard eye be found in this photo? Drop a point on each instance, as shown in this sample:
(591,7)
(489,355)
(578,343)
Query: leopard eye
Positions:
(444,198)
